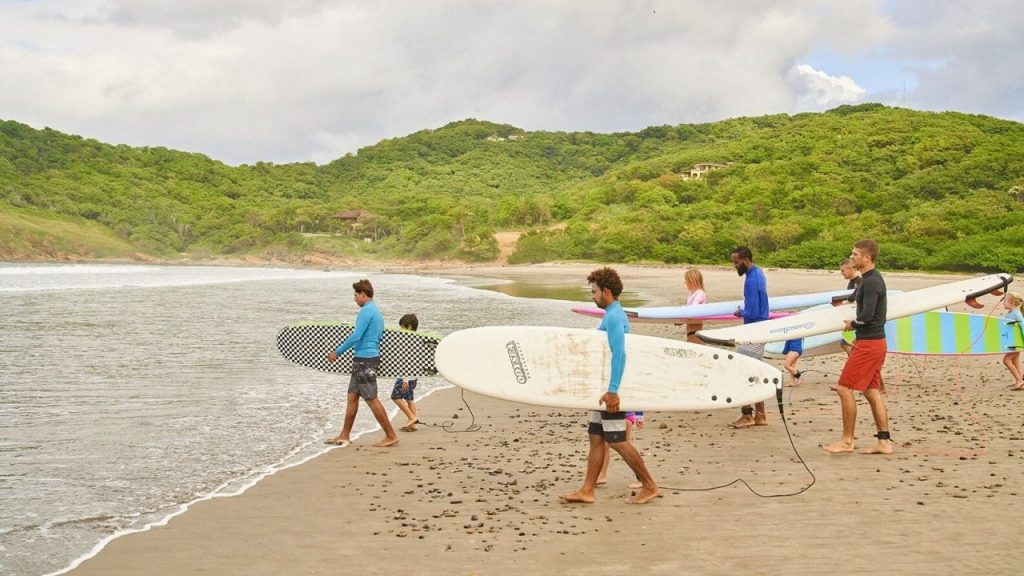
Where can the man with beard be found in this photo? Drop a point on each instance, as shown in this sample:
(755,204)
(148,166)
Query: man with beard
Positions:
(754,309)
(609,426)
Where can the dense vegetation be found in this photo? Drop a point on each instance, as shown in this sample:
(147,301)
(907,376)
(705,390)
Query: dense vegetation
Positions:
(939,191)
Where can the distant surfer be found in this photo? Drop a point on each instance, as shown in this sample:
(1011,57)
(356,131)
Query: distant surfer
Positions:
(609,426)
(365,339)
(863,369)
(1012,303)
(853,280)
(695,284)
(755,309)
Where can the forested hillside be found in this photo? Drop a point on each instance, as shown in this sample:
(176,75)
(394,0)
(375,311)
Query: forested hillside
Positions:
(940,191)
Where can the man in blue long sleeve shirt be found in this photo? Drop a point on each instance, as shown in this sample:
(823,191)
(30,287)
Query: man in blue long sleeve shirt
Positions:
(365,342)
(755,309)
(609,426)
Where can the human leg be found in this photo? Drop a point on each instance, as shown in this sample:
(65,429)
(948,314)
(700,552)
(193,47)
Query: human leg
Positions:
(760,416)
(606,458)
(595,458)
(790,366)
(1012,363)
(881,416)
(746,419)
(848,405)
(390,438)
(351,409)
(649,489)
(629,438)
(410,417)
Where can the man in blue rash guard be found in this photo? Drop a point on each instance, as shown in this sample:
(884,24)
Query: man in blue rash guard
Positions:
(755,309)
(610,425)
(365,339)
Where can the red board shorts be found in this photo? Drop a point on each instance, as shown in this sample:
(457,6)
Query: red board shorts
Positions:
(863,369)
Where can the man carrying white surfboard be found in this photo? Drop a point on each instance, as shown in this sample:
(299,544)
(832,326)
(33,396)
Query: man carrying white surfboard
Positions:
(863,369)
(609,426)
(365,339)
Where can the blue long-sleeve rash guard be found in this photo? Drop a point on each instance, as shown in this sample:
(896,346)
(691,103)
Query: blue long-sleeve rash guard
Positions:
(366,336)
(616,325)
(755,296)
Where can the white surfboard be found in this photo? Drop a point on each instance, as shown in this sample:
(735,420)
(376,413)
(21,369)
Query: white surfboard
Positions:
(569,368)
(833,320)
(697,311)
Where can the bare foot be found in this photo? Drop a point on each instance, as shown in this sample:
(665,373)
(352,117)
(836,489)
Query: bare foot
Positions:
(839,447)
(338,441)
(578,497)
(760,419)
(635,485)
(386,443)
(1018,387)
(882,447)
(602,481)
(644,496)
(744,422)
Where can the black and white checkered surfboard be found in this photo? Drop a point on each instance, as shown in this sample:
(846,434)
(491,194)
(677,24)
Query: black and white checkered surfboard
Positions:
(403,353)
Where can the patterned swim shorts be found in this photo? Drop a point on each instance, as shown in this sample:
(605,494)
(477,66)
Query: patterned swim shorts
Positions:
(364,377)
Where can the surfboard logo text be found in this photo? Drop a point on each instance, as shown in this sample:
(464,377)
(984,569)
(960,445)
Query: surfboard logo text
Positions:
(515,356)
(680,353)
(788,329)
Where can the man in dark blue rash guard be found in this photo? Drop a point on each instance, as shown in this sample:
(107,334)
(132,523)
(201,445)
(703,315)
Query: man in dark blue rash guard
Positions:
(609,426)
(755,309)
(365,340)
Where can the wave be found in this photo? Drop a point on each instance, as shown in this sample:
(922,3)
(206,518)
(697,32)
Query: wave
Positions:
(236,486)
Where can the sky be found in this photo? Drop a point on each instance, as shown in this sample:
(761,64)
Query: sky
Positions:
(287,81)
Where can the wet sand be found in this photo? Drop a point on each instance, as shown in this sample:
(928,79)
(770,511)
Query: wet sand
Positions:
(453,501)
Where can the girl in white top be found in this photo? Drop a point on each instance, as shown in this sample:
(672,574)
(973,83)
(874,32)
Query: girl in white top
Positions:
(695,284)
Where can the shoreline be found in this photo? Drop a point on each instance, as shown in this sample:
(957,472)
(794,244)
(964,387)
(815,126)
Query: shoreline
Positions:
(247,482)
(486,502)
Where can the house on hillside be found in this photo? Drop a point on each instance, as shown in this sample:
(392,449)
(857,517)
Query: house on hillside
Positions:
(349,220)
(697,171)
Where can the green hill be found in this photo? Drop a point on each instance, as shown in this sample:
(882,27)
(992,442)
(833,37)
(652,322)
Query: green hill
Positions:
(939,191)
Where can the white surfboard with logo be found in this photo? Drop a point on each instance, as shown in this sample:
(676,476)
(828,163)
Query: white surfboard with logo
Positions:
(833,320)
(570,368)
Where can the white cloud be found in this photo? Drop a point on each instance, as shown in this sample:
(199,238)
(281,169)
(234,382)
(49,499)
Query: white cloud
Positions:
(815,90)
(249,80)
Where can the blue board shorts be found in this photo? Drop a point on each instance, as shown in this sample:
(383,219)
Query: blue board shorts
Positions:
(794,346)
(398,394)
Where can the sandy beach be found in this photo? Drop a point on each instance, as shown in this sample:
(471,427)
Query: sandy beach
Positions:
(456,499)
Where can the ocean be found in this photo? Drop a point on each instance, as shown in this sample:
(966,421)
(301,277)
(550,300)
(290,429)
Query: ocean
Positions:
(128,392)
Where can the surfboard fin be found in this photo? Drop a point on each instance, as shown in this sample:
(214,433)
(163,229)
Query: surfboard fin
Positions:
(972,299)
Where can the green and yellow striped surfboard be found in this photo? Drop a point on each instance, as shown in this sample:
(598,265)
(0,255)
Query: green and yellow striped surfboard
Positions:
(951,333)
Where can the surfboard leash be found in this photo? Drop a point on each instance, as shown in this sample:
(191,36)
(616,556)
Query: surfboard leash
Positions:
(782,414)
(449,425)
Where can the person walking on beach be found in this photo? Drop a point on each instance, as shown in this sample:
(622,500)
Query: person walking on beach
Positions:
(863,369)
(609,426)
(403,392)
(852,282)
(695,284)
(365,339)
(754,309)
(1011,360)
(791,353)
